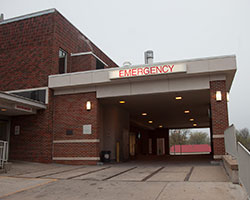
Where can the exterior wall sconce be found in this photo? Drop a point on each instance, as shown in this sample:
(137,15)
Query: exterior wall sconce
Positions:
(227,97)
(88,105)
(218,96)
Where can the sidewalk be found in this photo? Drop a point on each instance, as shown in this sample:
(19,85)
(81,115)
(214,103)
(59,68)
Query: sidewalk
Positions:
(131,181)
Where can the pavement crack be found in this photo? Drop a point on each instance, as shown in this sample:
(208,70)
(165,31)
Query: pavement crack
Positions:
(152,174)
(67,170)
(161,191)
(89,172)
(119,173)
(189,174)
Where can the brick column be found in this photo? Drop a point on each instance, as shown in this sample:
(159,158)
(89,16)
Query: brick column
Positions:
(71,146)
(219,117)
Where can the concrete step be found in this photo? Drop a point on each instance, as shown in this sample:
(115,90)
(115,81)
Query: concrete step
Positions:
(6,167)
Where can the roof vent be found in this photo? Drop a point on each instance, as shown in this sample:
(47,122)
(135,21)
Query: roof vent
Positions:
(126,64)
(1,17)
(149,57)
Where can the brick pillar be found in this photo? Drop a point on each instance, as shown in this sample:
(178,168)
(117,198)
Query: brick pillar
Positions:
(219,117)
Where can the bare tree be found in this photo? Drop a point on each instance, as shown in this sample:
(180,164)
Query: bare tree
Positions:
(178,136)
(243,136)
(198,138)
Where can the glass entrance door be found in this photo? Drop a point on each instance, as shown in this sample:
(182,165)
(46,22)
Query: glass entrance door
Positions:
(132,142)
(160,146)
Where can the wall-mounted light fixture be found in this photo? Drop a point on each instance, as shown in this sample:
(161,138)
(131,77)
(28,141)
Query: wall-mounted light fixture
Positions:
(88,105)
(218,96)
(227,97)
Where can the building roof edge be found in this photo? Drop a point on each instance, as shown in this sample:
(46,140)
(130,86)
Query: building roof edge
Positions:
(22,17)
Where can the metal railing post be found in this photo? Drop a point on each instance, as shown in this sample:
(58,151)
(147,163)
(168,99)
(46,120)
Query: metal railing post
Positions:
(3,152)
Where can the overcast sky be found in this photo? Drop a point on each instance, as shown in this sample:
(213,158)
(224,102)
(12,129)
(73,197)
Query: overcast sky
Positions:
(174,30)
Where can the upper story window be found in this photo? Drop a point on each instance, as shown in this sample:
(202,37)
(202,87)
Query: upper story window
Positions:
(99,64)
(62,61)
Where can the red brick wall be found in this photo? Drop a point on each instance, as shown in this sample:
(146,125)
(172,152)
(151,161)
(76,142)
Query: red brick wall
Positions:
(70,113)
(219,115)
(29,50)
(35,140)
(82,63)
(72,40)
(26,53)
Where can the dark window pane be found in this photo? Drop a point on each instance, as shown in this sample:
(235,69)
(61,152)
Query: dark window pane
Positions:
(99,64)
(38,95)
(61,65)
(62,61)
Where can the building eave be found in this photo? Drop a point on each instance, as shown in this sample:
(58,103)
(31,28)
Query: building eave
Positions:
(35,14)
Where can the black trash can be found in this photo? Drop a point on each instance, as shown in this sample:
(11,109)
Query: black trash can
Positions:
(105,156)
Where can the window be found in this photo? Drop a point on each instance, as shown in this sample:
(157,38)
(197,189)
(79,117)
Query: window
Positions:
(62,62)
(38,95)
(99,64)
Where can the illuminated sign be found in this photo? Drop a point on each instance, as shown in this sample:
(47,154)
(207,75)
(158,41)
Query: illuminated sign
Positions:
(23,108)
(135,71)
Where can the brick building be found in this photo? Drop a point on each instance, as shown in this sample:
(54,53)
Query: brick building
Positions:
(63,100)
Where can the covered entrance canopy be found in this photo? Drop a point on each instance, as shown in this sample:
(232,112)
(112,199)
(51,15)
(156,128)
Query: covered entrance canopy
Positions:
(13,105)
(150,99)
(172,94)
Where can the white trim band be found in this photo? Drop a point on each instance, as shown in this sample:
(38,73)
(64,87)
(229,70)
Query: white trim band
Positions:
(36,14)
(76,158)
(217,157)
(218,136)
(76,141)
(88,53)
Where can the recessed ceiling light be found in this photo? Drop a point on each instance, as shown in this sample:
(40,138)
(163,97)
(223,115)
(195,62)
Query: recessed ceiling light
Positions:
(3,109)
(122,101)
(191,120)
(150,121)
(160,126)
(194,124)
(144,114)
(186,111)
(178,98)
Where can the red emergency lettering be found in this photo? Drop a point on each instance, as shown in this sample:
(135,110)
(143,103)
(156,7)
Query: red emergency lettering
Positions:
(159,70)
(171,68)
(146,70)
(165,68)
(127,72)
(121,73)
(133,72)
(140,71)
(152,70)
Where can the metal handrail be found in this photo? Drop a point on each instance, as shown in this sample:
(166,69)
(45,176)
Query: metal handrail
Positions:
(238,151)
(3,152)
(244,166)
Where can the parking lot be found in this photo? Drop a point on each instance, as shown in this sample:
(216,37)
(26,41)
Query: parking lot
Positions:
(132,180)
